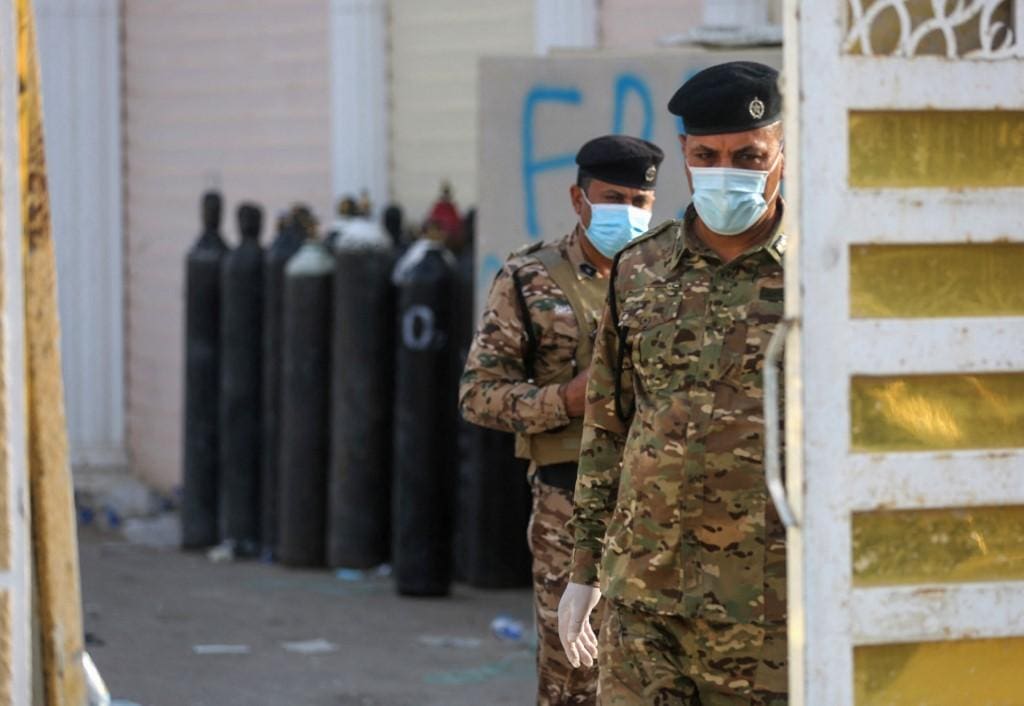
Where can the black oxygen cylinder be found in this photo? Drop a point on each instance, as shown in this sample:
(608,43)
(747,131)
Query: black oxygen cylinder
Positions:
(392,222)
(202,379)
(240,378)
(496,513)
(425,409)
(287,243)
(465,264)
(362,385)
(305,406)
(495,498)
(465,434)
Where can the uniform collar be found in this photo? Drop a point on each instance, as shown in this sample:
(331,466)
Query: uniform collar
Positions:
(572,249)
(687,241)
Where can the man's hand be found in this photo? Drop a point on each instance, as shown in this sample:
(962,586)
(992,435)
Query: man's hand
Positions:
(578,639)
(574,393)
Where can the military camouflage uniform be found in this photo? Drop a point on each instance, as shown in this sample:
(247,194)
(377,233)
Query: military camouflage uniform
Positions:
(497,392)
(672,515)
(551,547)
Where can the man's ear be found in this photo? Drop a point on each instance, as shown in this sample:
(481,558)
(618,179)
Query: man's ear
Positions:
(576,197)
(686,166)
(682,149)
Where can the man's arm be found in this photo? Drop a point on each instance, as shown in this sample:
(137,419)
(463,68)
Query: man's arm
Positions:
(495,391)
(604,438)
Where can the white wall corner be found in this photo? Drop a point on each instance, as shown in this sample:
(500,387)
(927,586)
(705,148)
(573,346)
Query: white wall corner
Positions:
(359,100)
(79,55)
(565,24)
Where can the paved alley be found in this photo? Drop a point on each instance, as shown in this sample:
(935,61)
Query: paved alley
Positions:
(172,629)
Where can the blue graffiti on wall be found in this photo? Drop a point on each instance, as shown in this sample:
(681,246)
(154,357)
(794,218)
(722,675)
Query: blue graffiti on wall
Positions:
(532,166)
(629,90)
(624,85)
(627,87)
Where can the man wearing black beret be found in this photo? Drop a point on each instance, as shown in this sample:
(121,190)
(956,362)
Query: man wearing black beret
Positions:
(672,520)
(527,368)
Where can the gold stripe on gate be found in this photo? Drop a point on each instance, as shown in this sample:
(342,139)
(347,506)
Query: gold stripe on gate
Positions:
(906,547)
(936,148)
(936,412)
(920,281)
(961,673)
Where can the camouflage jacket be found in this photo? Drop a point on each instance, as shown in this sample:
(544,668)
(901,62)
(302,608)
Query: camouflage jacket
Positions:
(672,513)
(496,391)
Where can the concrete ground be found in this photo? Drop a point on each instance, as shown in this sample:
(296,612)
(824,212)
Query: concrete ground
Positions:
(148,609)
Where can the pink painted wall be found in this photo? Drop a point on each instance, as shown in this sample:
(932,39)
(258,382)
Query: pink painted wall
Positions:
(233,92)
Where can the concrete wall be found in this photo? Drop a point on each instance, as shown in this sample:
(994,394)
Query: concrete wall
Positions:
(232,93)
(638,24)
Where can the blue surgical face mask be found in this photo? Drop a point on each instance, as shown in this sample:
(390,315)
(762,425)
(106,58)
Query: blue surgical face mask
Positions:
(730,201)
(613,225)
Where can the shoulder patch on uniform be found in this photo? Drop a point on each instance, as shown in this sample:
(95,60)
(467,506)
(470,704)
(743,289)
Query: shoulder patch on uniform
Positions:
(526,255)
(777,247)
(527,249)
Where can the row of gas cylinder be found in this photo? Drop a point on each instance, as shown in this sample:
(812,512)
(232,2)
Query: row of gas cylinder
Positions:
(321,425)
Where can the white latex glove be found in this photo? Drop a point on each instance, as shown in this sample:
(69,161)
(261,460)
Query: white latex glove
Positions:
(578,638)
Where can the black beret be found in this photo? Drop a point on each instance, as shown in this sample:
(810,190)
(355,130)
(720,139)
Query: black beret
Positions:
(732,97)
(621,160)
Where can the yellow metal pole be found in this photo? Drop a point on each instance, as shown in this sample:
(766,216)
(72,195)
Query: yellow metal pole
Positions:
(54,538)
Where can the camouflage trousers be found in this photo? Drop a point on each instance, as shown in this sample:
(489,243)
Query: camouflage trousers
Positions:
(551,545)
(663,660)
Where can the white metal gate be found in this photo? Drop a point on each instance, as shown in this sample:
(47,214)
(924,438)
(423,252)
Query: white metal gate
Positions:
(905,369)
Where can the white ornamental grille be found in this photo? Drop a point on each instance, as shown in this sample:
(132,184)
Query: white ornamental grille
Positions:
(956,29)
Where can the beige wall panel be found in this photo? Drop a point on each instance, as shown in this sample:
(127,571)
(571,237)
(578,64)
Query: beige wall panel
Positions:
(435,48)
(638,24)
(6,528)
(6,644)
(233,93)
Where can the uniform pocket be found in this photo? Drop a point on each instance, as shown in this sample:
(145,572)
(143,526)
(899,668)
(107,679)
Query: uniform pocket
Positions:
(665,340)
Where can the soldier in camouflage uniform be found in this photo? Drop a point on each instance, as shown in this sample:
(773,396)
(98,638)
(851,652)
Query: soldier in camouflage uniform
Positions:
(672,519)
(527,368)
